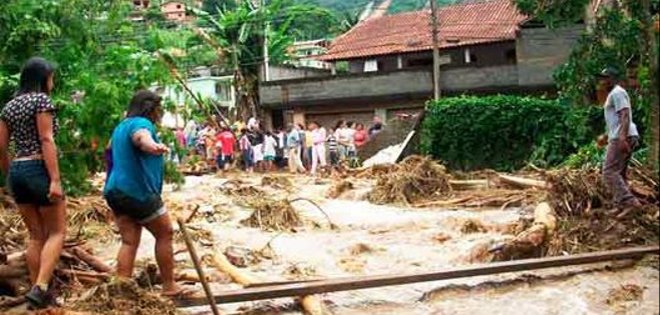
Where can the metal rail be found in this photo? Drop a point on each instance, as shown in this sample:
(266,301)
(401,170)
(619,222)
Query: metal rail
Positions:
(364,282)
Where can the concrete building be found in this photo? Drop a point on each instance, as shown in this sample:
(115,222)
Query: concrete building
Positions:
(486,47)
(306,54)
(218,89)
(173,10)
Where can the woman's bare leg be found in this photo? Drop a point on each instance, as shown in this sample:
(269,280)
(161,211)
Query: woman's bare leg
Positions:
(162,230)
(37,233)
(131,232)
(54,220)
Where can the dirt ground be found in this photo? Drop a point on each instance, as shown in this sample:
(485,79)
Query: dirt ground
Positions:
(371,239)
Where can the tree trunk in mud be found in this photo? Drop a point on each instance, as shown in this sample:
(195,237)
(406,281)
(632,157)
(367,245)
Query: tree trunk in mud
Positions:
(529,243)
(311,304)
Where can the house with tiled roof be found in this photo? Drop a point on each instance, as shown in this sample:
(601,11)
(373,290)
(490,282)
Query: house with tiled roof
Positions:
(383,66)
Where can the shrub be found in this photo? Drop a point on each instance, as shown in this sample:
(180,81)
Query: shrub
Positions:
(505,132)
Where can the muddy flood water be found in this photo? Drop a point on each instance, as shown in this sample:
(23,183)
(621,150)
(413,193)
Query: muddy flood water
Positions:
(374,240)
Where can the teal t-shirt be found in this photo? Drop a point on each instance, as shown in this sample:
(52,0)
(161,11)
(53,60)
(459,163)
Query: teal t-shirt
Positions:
(135,173)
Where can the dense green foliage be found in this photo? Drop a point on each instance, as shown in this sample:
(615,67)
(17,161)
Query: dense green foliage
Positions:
(99,52)
(505,132)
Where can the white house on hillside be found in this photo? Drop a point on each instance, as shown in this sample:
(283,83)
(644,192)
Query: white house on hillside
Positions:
(219,89)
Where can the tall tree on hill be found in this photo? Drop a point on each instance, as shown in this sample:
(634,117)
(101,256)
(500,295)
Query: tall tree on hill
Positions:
(624,31)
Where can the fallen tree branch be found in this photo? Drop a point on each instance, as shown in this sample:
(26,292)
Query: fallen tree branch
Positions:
(90,259)
(332,225)
(311,304)
(522,182)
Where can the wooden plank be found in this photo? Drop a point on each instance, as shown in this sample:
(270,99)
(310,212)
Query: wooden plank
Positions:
(364,282)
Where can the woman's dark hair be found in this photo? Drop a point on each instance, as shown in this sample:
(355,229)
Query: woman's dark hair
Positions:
(339,123)
(34,76)
(143,103)
(358,125)
(350,124)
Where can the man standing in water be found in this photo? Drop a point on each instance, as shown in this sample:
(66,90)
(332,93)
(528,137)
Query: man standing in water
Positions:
(622,138)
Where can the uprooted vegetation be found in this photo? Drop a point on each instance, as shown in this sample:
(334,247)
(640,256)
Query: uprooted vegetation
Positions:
(270,214)
(575,195)
(578,204)
(415,179)
(123,297)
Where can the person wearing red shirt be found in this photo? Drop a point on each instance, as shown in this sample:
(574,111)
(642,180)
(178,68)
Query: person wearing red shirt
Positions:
(226,141)
(360,136)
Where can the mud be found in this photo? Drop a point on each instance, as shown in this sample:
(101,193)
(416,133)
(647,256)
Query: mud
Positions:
(386,239)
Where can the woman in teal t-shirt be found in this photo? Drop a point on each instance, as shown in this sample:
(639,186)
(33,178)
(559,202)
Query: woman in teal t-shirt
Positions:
(133,188)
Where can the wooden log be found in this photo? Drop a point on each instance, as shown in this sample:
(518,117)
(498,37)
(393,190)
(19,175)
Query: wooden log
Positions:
(189,276)
(522,182)
(90,259)
(7,271)
(9,302)
(311,304)
(198,267)
(365,282)
(529,242)
(87,274)
(469,184)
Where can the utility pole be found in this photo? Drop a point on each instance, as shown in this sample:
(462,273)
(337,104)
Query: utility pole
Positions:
(266,56)
(436,51)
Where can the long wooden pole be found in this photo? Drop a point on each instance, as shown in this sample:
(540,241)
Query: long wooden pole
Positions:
(364,282)
(198,266)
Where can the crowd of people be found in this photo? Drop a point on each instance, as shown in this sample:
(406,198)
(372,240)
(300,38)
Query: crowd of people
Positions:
(303,149)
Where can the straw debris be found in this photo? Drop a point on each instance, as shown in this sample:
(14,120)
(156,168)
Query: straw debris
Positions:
(277,182)
(123,297)
(272,215)
(413,180)
(339,188)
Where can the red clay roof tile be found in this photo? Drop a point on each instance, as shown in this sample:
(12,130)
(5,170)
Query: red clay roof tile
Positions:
(460,25)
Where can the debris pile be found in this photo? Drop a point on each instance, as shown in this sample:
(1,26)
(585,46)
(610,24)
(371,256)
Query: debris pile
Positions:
(273,215)
(339,188)
(277,182)
(576,194)
(122,297)
(413,180)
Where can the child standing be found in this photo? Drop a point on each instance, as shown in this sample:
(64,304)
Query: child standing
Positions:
(227,142)
(332,148)
(246,151)
(269,151)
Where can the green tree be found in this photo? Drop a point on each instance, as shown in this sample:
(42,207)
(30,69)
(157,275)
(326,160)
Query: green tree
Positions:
(240,34)
(99,53)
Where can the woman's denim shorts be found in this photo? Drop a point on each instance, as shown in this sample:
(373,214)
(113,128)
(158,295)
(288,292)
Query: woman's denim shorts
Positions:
(142,211)
(29,182)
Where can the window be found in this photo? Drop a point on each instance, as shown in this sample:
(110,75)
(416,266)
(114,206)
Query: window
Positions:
(371,65)
(223,90)
(178,6)
(511,55)
(468,56)
(180,15)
